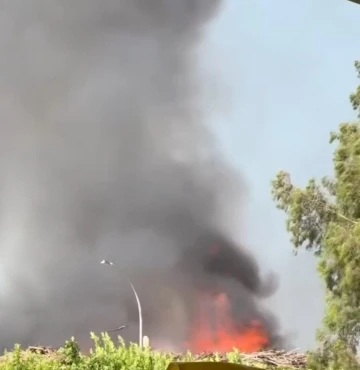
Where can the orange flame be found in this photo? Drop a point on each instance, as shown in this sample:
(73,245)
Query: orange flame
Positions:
(225,335)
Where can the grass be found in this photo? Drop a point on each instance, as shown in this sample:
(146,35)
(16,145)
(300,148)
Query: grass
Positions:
(105,355)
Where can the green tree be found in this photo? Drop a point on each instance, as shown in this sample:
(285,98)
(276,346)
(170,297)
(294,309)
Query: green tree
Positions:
(324,217)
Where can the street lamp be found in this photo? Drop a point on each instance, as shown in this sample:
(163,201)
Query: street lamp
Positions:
(109,263)
(355,1)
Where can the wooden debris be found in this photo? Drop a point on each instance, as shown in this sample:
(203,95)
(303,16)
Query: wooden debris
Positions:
(278,358)
(41,350)
(272,358)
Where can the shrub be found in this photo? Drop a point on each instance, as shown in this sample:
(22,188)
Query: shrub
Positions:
(104,355)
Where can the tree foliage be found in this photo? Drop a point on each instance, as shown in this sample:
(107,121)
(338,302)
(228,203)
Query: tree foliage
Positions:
(324,217)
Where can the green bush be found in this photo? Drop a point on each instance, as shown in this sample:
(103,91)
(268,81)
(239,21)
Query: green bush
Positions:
(105,355)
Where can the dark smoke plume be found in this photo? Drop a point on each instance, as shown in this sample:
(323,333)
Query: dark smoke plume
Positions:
(104,153)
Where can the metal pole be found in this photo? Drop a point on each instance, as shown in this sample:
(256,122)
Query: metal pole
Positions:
(109,263)
(117,329)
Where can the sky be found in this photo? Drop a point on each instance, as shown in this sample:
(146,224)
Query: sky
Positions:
(280,73)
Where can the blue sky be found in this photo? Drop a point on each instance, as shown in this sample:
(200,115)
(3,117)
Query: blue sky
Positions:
(281,74)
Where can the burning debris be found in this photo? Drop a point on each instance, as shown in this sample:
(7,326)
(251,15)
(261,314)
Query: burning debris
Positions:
(106,152)
(228,314)
(213,309)
(222,334)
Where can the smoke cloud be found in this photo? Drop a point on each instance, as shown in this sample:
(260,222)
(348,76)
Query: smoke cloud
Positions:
(105,153)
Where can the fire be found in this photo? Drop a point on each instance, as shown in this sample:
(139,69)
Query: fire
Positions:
(215,330)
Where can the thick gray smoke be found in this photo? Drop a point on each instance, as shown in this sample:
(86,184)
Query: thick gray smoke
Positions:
(104,153)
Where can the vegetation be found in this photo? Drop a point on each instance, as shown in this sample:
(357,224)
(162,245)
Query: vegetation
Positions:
(324,217)
(106,355)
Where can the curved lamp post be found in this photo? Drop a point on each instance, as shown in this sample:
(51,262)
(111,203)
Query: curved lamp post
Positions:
(109,263)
